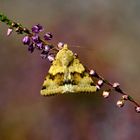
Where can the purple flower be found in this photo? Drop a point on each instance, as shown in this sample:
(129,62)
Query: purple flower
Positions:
(39,45)
(26,40)
(48,36)
(45,51)
(35,38)
(31,48)
(37,28)
(44,54)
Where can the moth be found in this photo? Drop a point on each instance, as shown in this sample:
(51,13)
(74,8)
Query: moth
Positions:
(67,75)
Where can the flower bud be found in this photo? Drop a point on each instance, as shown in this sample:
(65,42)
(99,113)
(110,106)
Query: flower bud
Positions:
(44,54)
(60,45)
(46,48)
(48,36)
(31,48)
(120,103)
(51,57)
(100,82)
(9,31)
(92,72)
(115,85)
(105,94)
(26,40)
(37,28)
(35,38)
(39,45)
(137,109)
(125,97)
(98,87)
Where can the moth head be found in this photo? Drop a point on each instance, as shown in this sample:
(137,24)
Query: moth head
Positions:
(65,56)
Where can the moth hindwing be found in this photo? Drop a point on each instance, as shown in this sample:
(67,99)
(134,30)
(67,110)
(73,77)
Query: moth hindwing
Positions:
(67,75)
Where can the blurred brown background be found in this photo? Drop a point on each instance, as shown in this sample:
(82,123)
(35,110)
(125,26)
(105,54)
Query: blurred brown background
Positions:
(108,33)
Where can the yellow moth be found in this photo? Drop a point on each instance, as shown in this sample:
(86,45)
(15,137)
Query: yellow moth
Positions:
(67,75)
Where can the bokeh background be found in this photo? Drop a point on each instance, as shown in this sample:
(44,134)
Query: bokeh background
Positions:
(108,33)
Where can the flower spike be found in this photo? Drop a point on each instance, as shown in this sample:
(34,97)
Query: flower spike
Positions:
(33,40)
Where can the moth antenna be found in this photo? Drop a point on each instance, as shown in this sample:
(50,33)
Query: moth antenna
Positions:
(76,46)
